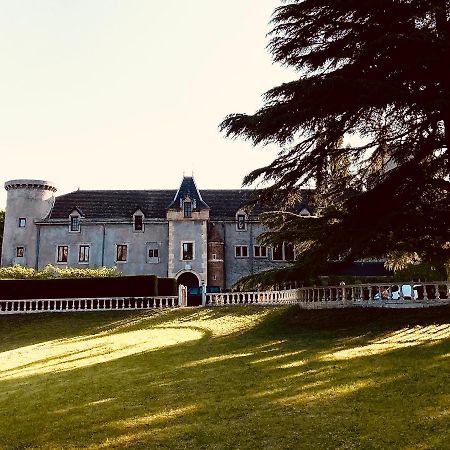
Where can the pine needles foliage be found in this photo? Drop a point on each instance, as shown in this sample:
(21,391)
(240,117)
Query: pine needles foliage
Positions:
(378,70)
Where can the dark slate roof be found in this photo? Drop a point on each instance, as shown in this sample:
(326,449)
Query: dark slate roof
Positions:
(121,204)
(113,204)
(188,189)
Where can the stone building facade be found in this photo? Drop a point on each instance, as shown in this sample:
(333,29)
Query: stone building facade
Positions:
(196,236)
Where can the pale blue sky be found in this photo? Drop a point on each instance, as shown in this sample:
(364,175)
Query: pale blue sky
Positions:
(128,94)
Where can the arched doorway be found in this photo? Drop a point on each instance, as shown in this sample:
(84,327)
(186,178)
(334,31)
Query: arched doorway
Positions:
(190,280)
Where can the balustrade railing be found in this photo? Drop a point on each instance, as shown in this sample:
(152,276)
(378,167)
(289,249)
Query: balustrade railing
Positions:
(409,294)
(86,304)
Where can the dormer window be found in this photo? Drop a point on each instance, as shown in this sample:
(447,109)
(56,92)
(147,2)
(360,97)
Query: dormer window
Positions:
(138,223)
(241,221)
(74,223)
(75,220)
(187,208)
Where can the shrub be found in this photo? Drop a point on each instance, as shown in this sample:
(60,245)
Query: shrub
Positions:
(19,272)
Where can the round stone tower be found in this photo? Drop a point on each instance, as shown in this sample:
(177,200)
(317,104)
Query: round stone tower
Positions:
(216,272)
(27,201)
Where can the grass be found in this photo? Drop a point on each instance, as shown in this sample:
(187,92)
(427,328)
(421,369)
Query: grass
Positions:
(249,378)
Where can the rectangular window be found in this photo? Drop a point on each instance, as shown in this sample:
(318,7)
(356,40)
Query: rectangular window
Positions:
(74,223)
(289,252)
(187,209)
(153,253)
(63,252)
(283,252)
(260,251)
(241,251)
(187,251)
(20,252)
(22,222)
(240,222)
(83,254)
(277,253)
(138,223)
(121,252)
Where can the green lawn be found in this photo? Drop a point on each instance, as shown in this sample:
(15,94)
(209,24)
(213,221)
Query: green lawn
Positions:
(248,378)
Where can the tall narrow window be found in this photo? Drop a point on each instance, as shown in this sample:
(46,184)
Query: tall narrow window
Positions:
(187,209)
(83,254)
(187,251)
(20,252)
(74,223)
(240,225)
(121,253)
(289,252)
(138,223)
(63,252)
(22,222)
(277,253)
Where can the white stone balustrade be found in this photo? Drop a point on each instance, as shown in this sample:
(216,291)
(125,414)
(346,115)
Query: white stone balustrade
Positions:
(86,304)
(405,294)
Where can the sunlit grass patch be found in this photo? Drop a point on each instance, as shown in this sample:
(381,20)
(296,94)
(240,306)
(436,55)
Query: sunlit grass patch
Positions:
(265,378)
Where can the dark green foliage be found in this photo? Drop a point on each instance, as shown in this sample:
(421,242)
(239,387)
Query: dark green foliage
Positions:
(377,69)
(129,286)
(167,286)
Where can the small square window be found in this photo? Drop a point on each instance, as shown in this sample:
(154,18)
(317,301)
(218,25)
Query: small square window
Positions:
(63,252)
(187,251)
(22,222)
(121,253)
(74,223)
(153,253)
(83,254)
(20,252)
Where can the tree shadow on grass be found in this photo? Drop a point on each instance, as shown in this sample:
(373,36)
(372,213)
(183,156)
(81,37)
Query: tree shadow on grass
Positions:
(272,385)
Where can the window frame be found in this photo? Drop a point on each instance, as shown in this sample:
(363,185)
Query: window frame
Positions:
(135,223)
(192,243)
(20,247)
(73,218)
(122,246)
(153,247)
(187,209)
(239,249)
(64,255)
(22,223)
(84,260)
(241,218)
(260,247)
(283,253)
